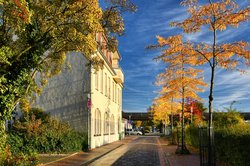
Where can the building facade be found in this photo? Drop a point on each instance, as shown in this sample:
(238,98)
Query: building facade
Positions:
(65,96)
(89,100)
(106,97)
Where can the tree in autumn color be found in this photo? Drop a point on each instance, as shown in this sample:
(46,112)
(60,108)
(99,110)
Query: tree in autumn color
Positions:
(180,79)
(35,37)
(37,40)
(216,17)
(138,123)
(112,21)
(195,109)
(164,107)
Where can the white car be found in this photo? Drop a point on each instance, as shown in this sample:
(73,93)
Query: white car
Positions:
(133,132)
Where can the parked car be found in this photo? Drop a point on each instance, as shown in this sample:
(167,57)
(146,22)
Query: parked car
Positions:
(133,132)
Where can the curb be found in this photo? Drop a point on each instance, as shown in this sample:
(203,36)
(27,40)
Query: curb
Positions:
(96,158)
(60,159)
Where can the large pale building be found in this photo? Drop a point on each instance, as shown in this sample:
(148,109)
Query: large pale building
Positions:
(106,97)
(90,100)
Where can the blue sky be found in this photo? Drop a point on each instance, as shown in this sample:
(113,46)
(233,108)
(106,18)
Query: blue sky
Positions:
(152,18)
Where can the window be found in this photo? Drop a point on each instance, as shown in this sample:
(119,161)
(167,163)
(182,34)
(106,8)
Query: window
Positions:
(96,79)
(119,125)
(113,94)
(112,125)
(101,81)
(118,97)
(120,92)
(109,84)
(106,123)
(106,81)
(97,122)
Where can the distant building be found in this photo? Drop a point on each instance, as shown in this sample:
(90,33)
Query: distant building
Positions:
(89,100)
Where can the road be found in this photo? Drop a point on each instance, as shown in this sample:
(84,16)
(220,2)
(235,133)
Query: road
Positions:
(143,150)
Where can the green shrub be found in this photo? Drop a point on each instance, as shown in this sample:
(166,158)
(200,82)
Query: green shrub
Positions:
(51,136)
(232,145)
(37,132)
(226,119)
(174,136)
(192,136)
(3,138)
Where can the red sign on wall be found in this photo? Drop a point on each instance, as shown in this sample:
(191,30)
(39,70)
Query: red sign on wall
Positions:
(89,103)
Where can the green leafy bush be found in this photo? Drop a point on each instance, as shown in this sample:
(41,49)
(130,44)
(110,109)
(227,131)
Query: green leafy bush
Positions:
(3,137)
(226,119)
(36,132)
(192,136)
(232,145)
(45,136)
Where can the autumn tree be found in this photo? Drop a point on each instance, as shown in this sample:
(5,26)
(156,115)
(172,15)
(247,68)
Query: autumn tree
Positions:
(195,110)
(36,36)
(180,79)
(166,104)
(112,21)
(216,17)
(138,123)
(164,107)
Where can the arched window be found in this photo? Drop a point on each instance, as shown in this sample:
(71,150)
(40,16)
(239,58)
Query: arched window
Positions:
(97,122)
(112,125)
(119,125)
(106,123)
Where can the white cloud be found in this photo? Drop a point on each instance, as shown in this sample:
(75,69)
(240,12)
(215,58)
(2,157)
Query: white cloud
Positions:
(230,86)
(153,19)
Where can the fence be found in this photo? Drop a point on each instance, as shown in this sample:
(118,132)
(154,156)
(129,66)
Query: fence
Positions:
(205,148)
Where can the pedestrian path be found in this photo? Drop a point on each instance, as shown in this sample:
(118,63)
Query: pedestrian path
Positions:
(85,158)
(166,152)
(173,159)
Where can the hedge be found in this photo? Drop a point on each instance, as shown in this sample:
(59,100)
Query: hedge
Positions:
(232,144)
(37,132)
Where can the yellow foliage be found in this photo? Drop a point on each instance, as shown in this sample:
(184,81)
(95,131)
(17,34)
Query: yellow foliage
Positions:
(25,105)
(138,123)
(180,79)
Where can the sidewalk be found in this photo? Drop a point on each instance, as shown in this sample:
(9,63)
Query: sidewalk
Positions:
(167,153)
(85,158)
(173,159)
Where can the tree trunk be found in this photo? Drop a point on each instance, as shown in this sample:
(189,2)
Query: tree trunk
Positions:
(210,120)
(210,106)
(182,120)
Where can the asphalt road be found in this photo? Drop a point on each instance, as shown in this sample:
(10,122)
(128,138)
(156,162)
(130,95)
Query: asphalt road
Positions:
(142,151)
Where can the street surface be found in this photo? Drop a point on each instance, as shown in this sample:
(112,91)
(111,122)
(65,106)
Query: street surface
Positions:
(143,150)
